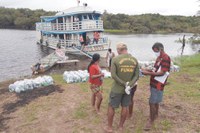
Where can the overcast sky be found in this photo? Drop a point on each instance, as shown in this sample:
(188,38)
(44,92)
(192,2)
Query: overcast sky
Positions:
(164,7)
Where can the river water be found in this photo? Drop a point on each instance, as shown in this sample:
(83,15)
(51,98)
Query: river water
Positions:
(19,50)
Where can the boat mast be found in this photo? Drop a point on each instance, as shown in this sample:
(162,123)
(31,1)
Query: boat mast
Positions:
(78,2)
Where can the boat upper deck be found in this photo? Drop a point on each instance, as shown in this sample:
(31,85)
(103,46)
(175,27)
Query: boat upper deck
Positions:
(75,19)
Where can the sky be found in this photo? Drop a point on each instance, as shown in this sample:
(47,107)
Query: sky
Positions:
(131,7)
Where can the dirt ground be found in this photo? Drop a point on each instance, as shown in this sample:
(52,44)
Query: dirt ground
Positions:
(65,108)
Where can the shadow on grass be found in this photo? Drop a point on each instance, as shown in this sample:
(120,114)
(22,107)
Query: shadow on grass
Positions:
(23,99)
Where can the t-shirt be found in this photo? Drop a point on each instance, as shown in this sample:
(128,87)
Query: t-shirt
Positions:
(95,70)
(124,68)
(164,62)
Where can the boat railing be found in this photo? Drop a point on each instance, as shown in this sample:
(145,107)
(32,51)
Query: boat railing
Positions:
(80,25)
(69,43)
(64,43)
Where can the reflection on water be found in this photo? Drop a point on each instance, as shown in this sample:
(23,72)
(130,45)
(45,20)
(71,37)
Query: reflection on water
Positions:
(19,50)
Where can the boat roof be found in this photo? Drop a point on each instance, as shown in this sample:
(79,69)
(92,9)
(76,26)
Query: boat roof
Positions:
(73,11)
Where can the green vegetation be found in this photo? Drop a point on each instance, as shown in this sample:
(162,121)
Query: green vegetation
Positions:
(21,18)
(80,112)
(113,23)
(116,31)
(195,39)
(151,23)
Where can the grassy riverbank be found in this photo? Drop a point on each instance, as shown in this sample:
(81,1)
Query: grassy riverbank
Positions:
(111,31)
(115,31)
(66,107)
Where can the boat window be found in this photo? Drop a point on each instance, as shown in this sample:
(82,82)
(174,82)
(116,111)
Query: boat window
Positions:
(84,16)
(90,17)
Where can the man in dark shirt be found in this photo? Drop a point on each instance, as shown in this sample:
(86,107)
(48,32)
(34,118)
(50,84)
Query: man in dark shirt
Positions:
(124,72)
(161,68)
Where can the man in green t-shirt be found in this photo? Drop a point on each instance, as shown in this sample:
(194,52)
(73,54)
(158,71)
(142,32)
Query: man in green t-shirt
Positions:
(125,72)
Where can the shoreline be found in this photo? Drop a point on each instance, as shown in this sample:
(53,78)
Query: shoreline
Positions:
(116,31)
(60,69)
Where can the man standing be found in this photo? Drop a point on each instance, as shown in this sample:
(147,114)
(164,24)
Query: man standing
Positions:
(161,68)
(183,46)
(125,72)
(109,57)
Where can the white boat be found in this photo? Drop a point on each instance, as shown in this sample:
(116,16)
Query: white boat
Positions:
(66,28)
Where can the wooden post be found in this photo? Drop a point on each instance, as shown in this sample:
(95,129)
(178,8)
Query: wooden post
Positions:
(72,25)
(64,23)
(57,24)
(64,40)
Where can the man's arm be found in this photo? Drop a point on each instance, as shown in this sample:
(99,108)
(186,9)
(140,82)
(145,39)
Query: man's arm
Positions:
(165,66)
(114,75)
(161,73)
(135,76)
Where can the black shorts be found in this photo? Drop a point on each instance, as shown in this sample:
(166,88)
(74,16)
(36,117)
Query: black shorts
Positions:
(110,62)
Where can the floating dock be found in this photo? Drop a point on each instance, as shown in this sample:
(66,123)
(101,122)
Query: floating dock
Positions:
(49,61)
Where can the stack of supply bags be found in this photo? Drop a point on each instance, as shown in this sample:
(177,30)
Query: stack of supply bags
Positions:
(80,76)
(30,84)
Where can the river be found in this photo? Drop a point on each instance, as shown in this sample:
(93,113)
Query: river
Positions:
(19,49)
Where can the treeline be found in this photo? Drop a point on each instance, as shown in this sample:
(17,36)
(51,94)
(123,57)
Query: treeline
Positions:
(145,23)
(151,23)
(21,18)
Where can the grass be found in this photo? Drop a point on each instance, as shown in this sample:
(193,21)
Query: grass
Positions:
(72,107)
(184,85)
(58,79)
(114,31)
(187,81)
(166,125)
(80,112)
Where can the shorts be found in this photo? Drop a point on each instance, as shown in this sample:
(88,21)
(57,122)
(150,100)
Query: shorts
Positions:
(115,99)
(156,95)
(110,62)
(95,89)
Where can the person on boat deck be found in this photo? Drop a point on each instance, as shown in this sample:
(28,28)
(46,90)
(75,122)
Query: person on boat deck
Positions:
(96,37)
(76,20)
(87,40)
(109,57)
(95,80)
(161,67)
(60,53)
(81,41)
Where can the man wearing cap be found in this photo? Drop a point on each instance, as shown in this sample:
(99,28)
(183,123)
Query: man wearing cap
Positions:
(124,72)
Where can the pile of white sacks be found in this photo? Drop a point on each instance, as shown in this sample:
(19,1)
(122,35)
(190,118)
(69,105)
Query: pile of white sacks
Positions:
(80,76)
(30,84)
(150,64)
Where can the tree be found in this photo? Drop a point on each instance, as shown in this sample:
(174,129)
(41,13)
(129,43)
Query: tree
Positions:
(198,13)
